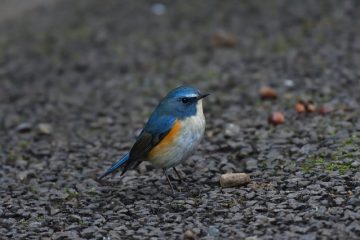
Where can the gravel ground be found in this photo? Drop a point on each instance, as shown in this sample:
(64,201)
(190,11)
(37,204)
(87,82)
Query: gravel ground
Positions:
(78,80)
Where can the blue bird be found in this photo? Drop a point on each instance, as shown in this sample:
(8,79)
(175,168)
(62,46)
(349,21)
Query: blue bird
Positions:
(171,134)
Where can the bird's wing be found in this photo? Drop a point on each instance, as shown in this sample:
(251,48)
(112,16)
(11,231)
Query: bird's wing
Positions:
(154,131)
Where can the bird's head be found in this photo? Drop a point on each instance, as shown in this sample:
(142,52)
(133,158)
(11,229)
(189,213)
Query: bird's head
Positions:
(182,102)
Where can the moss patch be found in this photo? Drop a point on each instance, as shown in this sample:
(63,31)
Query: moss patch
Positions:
(71,194)
(347,150)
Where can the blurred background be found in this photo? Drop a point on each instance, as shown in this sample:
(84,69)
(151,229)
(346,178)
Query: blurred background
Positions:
(92,54)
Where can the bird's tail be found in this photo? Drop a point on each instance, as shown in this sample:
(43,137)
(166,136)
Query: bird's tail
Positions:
(115,166)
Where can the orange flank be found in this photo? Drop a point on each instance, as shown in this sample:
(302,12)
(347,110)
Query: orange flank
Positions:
(166,142)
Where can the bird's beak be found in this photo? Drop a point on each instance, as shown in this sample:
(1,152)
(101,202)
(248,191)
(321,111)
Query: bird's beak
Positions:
(203,95)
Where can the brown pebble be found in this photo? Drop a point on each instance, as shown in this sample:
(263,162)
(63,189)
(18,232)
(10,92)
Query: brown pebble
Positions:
(189,235)
(234,179)
(276,118)
(300,107)
(310,106)
(222,38)
(267,93)
(325,110)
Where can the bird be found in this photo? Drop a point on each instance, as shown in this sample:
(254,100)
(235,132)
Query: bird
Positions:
(170,136)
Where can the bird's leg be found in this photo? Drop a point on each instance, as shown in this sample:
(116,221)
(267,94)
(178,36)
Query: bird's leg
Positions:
(167,177)
(178,175)
(180,179)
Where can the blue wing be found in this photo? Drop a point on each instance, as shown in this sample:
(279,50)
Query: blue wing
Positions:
(155,129)
(158,124)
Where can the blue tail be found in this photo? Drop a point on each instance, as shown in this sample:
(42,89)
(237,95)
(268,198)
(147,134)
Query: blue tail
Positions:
(115,166)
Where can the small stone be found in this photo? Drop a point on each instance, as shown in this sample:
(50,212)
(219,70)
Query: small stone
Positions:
(24,127)
(251,164)
(231,130)
(250,195)
(339,201)
(89,232)
(35,224)
(251,238)
(323,110)
(234,179)
(299,107)
(289,83)
(45,128)
(267,93)
(307,148)
(102,122)
(213,231)
(189,235)
(355,164)
(222,38)
(65,235)
(276,118)
(53,211)
(74,218)
(310,106)
(24,175)
(158,9)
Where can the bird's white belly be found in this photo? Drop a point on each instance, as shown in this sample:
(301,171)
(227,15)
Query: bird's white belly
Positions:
(184,144)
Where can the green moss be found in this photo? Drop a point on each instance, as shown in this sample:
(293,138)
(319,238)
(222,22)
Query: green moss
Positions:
(11,157)
(348,149)
(306,168)
(312,163)
(24,222)
(24,143)
(82,223)
(263,164)
(231,203)
(241,200)
(32,189)
(342,155)
(71,194)
(319,160)
(177,206)
(92,192)
(353,140)
(197,200)
(341,167)
(40,218)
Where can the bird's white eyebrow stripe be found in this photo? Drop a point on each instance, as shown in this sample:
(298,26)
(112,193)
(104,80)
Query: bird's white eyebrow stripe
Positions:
(190,95)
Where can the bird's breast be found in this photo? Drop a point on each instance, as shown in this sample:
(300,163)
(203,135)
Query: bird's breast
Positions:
(167,142)
(180,142)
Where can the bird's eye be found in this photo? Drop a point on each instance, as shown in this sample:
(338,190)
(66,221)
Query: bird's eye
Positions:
(185,100)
